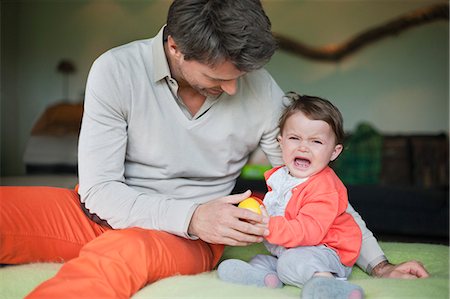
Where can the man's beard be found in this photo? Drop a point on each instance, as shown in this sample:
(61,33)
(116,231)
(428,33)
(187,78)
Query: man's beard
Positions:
(207,91)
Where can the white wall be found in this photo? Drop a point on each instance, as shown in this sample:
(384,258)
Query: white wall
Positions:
(399,84)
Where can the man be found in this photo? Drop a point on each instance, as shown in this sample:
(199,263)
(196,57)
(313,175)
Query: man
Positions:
(168,124)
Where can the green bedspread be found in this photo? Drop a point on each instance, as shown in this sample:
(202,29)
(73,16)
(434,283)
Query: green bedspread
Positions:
(17,281)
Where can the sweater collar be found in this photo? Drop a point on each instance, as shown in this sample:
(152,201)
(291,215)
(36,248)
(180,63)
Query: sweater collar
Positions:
(161,68)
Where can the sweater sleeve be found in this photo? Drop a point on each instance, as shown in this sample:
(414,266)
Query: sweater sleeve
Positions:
(101,156)
(273,108)
(371,253)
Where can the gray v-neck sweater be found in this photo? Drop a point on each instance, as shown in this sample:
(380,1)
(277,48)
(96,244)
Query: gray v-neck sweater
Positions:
(143,162)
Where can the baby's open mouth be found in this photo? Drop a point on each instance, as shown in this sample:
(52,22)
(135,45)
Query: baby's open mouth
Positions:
(302,162)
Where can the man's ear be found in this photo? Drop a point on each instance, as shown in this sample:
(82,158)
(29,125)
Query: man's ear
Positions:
(337,151)
(173,47)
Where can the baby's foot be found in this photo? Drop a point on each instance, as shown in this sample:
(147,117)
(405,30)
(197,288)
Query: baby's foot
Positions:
(327,287)
(240,272)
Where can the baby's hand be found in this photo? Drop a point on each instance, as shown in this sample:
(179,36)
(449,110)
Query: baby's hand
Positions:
(265,223)
(264,211)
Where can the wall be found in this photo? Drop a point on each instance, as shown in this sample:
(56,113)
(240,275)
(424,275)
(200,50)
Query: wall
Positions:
(399,84)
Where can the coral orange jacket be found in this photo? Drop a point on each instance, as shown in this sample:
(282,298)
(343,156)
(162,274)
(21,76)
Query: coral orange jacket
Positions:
(316,214)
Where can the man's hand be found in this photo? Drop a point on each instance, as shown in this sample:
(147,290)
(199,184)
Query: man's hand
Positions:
(406,270)
(220,222)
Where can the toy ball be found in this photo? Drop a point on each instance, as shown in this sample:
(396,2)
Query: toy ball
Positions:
(251,204)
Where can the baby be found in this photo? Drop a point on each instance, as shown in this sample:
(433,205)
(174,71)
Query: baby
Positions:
(313,241)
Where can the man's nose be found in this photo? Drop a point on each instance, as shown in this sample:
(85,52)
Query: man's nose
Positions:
(230,87)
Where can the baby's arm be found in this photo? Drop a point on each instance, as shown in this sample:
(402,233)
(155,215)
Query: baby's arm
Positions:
(309,226)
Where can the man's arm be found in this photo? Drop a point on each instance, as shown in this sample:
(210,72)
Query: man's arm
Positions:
(102,149)
(374,262)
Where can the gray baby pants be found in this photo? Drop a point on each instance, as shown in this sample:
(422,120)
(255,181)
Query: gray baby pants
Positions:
(295,266)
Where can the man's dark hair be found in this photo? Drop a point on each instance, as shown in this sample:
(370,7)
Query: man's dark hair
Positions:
(214,31)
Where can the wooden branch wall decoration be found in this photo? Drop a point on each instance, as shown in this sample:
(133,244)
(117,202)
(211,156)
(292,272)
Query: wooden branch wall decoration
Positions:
(335,52)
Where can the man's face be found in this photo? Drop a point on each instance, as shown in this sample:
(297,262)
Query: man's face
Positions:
(205,79)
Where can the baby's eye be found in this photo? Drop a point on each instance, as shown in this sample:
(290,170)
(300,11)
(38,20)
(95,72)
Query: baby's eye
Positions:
(293,138)
(317,141)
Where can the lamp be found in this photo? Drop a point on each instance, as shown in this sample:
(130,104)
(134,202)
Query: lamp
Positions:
(66,67)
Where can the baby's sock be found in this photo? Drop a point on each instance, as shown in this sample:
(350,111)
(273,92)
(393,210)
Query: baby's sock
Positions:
(327,287)
(240,272)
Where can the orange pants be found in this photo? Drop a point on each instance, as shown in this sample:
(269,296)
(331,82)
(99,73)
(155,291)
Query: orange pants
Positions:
(46,224)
